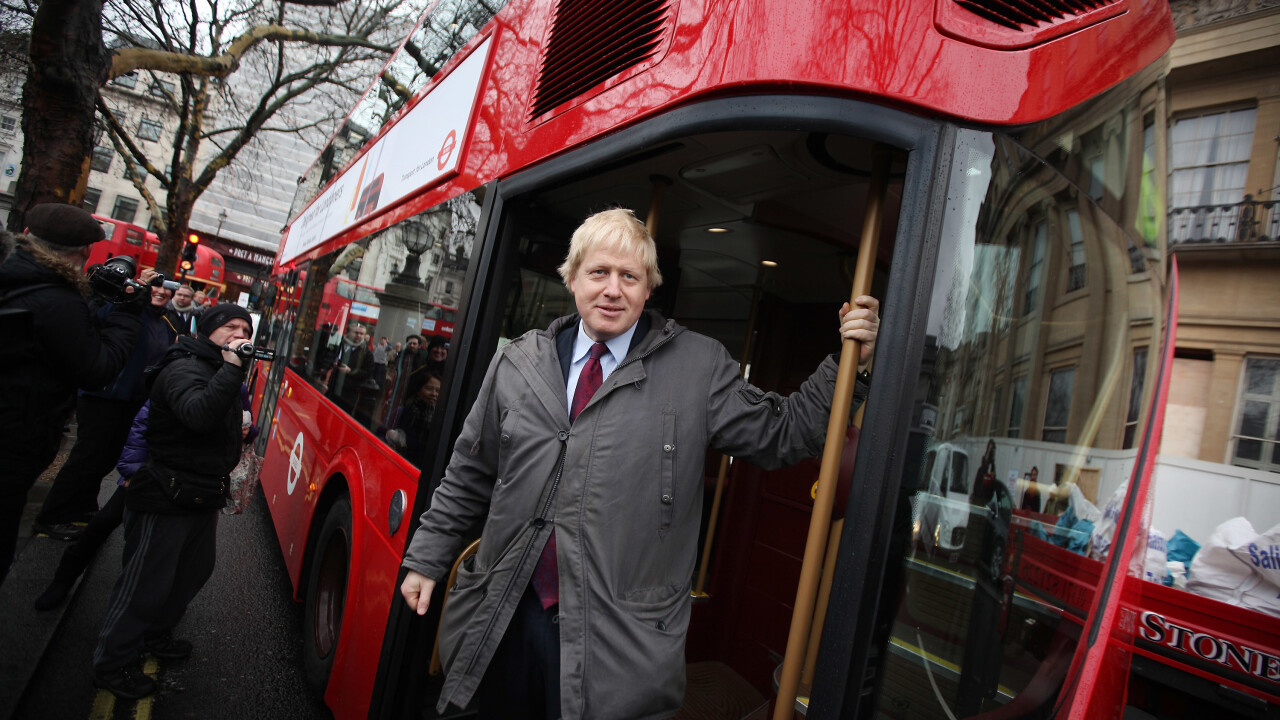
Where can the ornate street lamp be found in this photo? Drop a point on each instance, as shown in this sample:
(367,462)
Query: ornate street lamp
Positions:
(415,238)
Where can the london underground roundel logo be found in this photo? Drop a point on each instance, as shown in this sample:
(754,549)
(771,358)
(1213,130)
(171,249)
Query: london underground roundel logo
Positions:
(295,464)
(446,149)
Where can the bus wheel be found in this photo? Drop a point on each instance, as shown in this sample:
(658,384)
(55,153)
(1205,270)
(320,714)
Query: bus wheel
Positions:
(326,593)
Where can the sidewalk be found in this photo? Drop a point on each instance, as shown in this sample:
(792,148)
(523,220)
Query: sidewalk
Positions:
(25,633)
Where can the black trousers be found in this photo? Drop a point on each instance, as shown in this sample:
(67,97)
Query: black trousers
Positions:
(167,560)
(81,552)
(523,680)
(102,428)
(15,481)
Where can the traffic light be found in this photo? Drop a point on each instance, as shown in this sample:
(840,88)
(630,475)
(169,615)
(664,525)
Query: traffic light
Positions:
(188,261)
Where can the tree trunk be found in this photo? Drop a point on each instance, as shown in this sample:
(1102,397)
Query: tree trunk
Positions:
(179,205)
(68,62)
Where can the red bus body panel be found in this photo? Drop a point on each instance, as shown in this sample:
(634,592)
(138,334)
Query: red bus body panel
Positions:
(330,447)
(893,53)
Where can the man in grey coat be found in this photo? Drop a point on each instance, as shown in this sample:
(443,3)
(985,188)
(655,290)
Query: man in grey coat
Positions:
(585,448)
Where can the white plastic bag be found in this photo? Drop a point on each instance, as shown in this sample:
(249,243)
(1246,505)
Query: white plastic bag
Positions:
(244,481)
(1156,564)
(1262,553)
(1104,530)
(1217,572)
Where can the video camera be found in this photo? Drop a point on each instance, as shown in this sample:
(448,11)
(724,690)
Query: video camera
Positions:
(247,351)
(111,280)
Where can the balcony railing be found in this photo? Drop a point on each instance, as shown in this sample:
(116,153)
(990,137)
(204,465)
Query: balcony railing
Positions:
(1247,221)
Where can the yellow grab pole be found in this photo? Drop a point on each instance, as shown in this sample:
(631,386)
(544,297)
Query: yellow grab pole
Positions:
(819,524)
(820,612)
(699,590)
(655,205)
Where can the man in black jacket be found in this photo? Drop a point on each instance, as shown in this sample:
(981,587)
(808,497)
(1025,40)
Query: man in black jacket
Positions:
(103,418)
(53,346)
(194,437)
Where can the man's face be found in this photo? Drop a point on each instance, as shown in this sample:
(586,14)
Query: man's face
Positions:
(183,297)
(199,298)
(610,291)
(355,334)
(413,345)
(235,329)
(160,296)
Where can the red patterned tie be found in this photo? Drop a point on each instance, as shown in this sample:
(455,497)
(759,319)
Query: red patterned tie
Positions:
(546,574)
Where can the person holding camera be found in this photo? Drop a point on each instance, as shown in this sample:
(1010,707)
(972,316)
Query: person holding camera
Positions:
(53,345)
(103,418)
(194,436)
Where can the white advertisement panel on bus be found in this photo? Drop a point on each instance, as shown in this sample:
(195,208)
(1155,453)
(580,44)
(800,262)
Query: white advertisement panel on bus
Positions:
(423,147)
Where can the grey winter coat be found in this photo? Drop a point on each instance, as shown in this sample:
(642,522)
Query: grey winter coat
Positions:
(627,483)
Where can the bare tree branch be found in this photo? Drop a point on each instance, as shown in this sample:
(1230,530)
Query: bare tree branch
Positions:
(130,59)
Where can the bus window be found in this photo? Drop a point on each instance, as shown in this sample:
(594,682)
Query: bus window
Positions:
(994,601)
(373,289)
(134,236)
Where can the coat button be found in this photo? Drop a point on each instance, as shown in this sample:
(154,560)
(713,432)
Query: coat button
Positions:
(563,435)
(661,625)
(666,499)
(539,522)
(668,448)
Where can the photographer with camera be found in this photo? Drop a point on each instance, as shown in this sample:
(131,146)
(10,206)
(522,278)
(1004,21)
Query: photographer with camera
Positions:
(194,436)
(103,418)
(53,345)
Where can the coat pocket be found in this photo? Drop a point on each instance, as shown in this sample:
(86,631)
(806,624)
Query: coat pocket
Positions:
(190,490)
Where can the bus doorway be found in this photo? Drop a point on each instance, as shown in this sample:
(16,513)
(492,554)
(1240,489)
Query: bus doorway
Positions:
(758,234)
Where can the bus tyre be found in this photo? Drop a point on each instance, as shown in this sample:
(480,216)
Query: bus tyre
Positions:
(326,593)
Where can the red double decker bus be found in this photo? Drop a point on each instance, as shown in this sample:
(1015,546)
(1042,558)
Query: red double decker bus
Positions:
(207,274)
(996,165)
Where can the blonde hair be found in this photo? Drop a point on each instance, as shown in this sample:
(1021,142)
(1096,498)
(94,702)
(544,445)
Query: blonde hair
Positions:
(617,231)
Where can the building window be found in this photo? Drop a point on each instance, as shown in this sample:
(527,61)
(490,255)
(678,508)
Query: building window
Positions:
(1097,171)
(1036,270)
(1057,406)
(997,401)
(1208,162)
(130,80)
(159,87)
(138,169)
(8,123)
(1017,407)
(149,130)
(1136,382)
(448,286)
(1148,199)
(91,198)
(1257,436)
(101,158)
(125,209)
(1075,273)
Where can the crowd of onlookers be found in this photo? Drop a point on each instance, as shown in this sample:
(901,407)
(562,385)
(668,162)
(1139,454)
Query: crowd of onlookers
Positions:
(154,381)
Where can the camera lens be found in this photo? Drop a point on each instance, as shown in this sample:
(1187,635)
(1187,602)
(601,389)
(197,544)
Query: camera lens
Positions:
(122,264)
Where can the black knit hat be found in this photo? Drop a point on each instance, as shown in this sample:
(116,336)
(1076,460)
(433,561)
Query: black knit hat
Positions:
(62,224)
(219,315)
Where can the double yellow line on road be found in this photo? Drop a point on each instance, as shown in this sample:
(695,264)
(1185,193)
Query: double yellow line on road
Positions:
(104,705)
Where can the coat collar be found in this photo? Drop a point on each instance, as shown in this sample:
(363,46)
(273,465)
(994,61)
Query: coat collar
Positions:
(541,360)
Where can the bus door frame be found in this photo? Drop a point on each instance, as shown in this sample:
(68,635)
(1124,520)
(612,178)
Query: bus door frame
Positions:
(407,640)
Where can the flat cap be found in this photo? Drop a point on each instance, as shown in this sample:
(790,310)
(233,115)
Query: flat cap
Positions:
(63,224)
